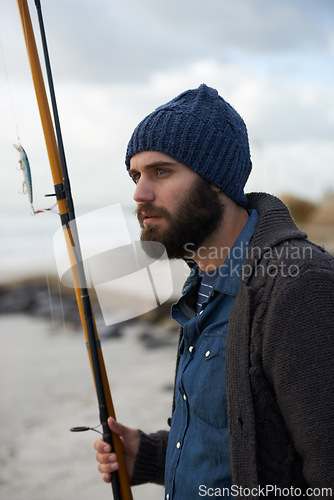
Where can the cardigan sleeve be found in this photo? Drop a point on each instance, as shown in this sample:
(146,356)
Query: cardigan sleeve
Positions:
(298,357)
(150,461)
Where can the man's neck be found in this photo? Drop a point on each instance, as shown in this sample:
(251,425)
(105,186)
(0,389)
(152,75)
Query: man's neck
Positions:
(213,251)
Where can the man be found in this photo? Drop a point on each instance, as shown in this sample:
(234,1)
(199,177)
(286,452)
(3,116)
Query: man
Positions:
(253,402)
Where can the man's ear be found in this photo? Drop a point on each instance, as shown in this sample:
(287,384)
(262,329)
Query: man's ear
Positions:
(221,195)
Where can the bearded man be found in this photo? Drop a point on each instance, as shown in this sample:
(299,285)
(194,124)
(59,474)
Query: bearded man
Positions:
(253,403)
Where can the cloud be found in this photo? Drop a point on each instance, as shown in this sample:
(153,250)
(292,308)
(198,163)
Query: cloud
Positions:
(130,40)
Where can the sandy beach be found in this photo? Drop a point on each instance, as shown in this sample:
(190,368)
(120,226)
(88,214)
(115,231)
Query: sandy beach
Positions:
(47,388)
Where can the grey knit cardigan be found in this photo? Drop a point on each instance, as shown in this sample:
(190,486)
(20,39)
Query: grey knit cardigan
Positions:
(279,364)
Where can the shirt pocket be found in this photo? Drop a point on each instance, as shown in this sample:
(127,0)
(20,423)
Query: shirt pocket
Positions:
(205,382)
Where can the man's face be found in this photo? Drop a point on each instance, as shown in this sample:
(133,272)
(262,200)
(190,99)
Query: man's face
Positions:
(175,206)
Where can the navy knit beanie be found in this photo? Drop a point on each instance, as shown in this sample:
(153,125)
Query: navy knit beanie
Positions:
(201,130)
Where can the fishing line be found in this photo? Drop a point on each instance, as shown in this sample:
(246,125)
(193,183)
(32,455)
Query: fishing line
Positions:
(62,307)
(19,147)
(53,321)
(52,210)
(9,91)
(23,161)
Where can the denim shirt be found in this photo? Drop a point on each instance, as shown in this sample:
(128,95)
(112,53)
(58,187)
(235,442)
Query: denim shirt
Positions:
(198,455)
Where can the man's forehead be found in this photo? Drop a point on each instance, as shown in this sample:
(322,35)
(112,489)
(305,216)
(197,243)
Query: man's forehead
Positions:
(147,157)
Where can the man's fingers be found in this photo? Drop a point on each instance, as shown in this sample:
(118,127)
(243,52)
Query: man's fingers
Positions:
(107,478)
(107,468)
(106,458)
(107,465)
(102,447)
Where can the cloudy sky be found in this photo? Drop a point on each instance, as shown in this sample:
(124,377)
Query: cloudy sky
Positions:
(114,62)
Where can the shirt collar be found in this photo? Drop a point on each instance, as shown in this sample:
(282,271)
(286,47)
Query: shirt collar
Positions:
(229,274)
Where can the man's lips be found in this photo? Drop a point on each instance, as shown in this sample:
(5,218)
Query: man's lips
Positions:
(148,214)
(146,218)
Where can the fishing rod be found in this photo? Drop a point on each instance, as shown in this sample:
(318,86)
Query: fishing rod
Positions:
(55,149)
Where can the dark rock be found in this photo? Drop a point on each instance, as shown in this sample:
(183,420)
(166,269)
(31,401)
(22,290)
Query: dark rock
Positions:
(155,339)
(50,300)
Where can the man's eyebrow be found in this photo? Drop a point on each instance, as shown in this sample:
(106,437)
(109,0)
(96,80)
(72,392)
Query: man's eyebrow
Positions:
(155,164)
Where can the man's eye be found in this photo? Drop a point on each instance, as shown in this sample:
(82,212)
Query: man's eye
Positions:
(135,178)
(162,171)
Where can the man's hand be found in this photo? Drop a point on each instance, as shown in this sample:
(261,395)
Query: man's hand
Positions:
(108,462)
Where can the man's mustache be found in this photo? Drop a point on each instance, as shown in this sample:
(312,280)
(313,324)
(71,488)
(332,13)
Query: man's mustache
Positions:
(148,209)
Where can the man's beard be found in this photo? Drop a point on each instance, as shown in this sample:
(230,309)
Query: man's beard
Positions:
(196,218)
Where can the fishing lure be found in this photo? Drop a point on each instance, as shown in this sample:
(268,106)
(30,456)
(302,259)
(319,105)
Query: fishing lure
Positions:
(27,181)
(25,167)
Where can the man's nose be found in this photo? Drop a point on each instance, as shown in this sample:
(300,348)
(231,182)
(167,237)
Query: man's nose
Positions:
(144,191)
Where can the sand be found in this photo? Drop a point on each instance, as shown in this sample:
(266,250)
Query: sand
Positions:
(46,388)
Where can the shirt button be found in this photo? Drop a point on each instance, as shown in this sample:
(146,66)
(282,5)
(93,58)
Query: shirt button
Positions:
(184,397)
(207,354)
(191,348)
(201,311)
(178,445)
(167,496)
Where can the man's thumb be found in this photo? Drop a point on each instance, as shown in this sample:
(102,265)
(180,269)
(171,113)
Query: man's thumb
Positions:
(116,427)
